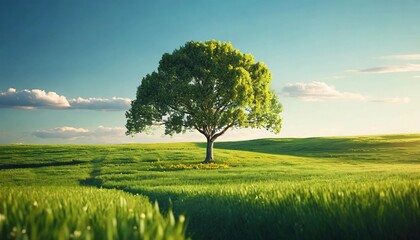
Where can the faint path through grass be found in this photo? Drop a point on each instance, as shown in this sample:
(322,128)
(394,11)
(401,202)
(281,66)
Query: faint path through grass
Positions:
(38,165)
(92,180)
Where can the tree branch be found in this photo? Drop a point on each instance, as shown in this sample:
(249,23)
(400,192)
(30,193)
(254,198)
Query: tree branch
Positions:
(215,136)
(200,130)
(178,110)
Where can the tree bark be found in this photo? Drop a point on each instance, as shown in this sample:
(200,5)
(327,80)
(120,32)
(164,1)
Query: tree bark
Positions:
(209,151)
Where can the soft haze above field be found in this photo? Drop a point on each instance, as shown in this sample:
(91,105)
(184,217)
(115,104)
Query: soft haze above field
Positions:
(69,69)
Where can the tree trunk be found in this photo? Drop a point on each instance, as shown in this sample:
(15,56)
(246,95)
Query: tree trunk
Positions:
(209,151)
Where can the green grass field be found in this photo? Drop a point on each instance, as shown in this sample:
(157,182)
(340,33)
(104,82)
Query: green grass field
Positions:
(314,188)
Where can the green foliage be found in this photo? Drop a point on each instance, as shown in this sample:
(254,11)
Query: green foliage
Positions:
(209,87)
(82,213)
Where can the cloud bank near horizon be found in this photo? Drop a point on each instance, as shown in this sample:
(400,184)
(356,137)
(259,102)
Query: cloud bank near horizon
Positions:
(402,57)
(389,69)
(317,91)
(78,133)
(108,104)
(320,91)
(32,99)
(392,100)
(406,67)
(40,99)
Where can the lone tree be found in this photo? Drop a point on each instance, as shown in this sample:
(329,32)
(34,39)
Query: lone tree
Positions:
(209,87)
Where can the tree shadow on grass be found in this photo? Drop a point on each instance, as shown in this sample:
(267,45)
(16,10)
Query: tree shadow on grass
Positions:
(324,147)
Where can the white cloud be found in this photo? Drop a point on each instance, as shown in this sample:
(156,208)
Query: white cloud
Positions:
(102,131)
(62,132)
(31,99)
(390,69)
(110,104)
(39,99)
(78,133)
(317,91)
(392,100)
(402,57)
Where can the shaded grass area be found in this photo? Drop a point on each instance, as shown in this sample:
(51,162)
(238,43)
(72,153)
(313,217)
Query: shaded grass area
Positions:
(299,211)
(383,148)
(329,188)
(92,180)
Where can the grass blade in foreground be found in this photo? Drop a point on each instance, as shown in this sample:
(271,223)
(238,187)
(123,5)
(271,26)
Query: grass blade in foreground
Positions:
(82,213)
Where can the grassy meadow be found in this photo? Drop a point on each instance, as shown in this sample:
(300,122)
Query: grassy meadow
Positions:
(314,188)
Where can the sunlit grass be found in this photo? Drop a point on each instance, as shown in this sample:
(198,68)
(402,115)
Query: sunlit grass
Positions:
(341,188)
(82,213)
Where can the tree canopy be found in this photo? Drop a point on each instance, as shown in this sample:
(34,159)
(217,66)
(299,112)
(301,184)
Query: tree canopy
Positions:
(209,87)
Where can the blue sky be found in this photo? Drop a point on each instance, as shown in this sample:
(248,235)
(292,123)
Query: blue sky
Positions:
(68,69)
